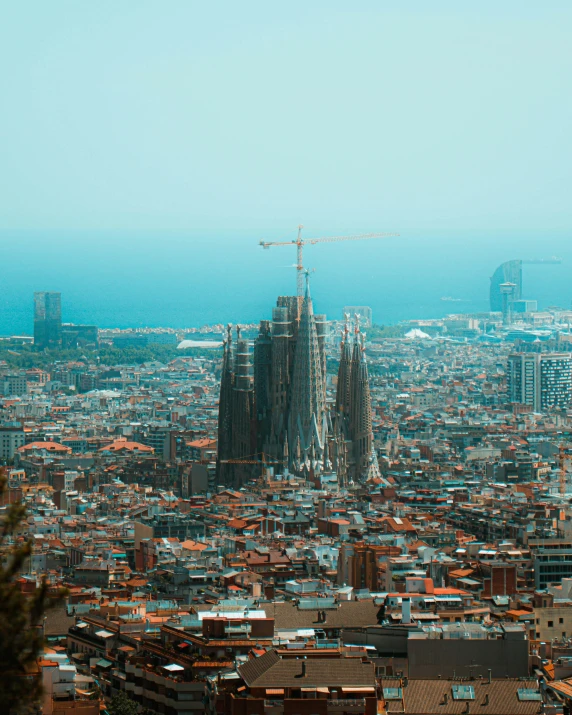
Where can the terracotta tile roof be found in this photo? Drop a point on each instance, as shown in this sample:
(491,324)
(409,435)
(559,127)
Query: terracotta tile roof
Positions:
(564,687)
(461,573)
(272,557)
(426,697)
(256,667)
(515,613)
(191,545)
(548,670)
(57,622)
(48,446)
(237,524)
(348,614)
(199,443)
(271,671)
(398,524)
(121,445)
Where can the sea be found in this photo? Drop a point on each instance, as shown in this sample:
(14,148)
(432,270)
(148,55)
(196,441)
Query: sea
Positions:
(187,279)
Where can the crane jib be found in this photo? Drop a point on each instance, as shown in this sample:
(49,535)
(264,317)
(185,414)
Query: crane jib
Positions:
(299,242)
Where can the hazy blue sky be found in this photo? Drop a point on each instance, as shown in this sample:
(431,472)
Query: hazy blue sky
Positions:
(254,116)
(146,147)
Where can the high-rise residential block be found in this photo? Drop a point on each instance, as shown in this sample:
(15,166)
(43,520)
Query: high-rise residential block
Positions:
(541,380)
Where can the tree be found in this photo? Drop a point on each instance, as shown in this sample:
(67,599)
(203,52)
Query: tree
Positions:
(21,617)
(121,704)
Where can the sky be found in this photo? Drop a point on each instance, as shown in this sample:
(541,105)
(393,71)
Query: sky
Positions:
(137,126)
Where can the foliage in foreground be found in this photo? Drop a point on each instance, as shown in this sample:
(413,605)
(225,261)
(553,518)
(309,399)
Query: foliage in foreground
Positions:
(21,617)
(121,704)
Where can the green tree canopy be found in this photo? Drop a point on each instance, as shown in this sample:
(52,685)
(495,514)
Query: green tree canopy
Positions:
(121,704)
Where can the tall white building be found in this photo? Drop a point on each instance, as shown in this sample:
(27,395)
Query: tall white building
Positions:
(541,380)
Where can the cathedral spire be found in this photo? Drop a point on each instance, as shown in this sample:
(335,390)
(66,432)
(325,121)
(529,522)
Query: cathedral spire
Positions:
(361,427)
(307,409)
(344,370)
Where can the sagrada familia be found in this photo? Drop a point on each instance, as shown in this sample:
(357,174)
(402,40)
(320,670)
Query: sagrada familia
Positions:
(273,406)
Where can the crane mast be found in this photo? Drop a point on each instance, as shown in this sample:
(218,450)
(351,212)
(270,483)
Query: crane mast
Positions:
(299,263)
(300,242)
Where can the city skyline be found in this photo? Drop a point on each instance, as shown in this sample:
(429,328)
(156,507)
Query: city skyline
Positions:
(329,478)
(399,278)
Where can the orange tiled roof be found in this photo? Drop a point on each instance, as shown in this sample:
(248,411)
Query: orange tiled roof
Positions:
(48,446)
(121,445)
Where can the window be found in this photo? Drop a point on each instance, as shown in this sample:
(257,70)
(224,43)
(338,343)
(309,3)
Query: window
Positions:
(550,624)
(463,692)
(393,693)
(560,620)
(527,694)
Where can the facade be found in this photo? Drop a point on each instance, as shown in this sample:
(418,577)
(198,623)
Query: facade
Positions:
(552,562)
(47,319)
(11,439)
(61,688)
(273,400)
(164,689)
(13,385)
(160,438)
(541,380)
(80,336)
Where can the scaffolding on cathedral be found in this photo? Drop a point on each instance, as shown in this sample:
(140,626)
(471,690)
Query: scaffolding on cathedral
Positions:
(273,400)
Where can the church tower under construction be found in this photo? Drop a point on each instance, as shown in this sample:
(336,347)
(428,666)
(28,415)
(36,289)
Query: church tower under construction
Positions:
(273,401)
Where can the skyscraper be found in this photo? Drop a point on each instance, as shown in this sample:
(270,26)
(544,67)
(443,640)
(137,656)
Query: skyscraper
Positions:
(508,272)
(541,380)
(273,401)
(47,320)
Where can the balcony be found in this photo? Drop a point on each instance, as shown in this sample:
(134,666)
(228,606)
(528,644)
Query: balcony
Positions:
(347,705)
(340,706)
(238,631)
(87,637)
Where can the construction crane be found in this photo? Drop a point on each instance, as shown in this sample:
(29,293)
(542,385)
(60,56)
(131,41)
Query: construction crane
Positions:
(300,242)
(553,260)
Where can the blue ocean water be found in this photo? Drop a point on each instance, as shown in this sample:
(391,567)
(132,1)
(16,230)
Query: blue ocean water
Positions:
(186,280)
